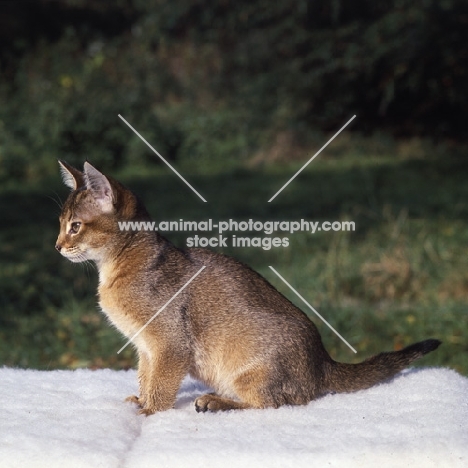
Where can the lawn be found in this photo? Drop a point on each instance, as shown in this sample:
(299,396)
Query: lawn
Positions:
(399,278)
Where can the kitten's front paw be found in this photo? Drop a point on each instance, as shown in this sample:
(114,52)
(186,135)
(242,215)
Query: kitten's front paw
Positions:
(141,404)
(134,399)
(146,411)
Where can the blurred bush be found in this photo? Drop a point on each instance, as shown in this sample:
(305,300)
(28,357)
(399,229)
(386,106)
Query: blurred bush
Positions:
(220,79)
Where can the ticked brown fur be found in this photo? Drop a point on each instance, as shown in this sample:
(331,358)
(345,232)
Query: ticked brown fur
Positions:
(229,328)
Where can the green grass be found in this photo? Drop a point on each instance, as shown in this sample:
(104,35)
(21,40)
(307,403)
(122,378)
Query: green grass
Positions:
(401,277)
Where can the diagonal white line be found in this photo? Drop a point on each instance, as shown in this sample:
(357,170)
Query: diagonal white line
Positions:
(162,159)
(312,158)
(311,308)
(161,309)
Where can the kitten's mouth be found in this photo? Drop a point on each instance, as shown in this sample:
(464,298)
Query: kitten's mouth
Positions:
(74,257)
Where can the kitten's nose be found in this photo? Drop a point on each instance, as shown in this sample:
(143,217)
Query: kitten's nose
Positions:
(58,247)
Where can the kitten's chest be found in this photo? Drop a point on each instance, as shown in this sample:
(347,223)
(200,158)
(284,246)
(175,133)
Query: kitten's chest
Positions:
(121,311)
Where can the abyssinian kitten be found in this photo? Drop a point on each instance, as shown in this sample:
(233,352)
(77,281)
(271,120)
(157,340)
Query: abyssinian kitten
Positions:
(229,328)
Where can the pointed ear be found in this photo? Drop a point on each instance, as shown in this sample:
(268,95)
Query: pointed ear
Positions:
(71,177)
(100,187)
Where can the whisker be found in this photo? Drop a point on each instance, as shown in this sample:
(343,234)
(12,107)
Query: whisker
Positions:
(57,200)
(89,266)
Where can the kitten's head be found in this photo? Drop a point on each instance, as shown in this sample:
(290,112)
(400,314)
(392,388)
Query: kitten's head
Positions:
(89,219)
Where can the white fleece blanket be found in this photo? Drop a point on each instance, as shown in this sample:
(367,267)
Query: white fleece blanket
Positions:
(79,419)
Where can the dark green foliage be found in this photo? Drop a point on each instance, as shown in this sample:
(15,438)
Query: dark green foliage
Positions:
(219,80)
(213,85)
(399,65)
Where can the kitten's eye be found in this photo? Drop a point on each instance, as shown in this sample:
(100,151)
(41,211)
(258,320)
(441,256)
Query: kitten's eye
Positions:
(75,227)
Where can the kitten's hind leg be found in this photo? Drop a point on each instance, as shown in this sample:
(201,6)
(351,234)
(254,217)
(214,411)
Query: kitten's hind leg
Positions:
(211,402)
(246,388)
(253,389)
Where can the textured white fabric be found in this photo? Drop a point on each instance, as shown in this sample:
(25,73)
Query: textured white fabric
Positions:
(79,419)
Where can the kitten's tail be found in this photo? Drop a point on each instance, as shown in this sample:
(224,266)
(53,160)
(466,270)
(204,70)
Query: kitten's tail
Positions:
(343,378)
